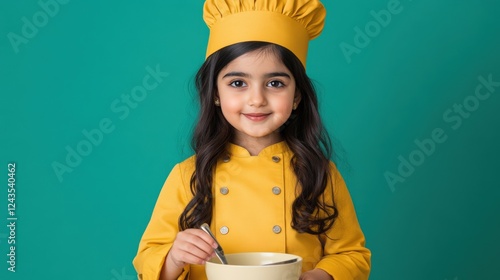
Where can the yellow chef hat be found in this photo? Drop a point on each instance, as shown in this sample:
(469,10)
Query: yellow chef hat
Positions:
(288,23)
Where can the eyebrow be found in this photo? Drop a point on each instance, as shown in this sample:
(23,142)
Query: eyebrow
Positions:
(245,75)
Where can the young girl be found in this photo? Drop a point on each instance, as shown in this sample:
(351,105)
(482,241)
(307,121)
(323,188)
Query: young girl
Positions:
(261,174)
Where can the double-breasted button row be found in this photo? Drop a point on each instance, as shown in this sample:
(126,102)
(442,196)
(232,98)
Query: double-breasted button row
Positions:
(226,158)
(225,190)
(225,230)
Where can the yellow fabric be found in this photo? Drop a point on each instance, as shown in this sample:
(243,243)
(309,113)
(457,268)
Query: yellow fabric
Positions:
(250,210)
(288,23)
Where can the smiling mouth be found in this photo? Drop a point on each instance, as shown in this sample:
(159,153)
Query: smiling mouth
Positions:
(256,117)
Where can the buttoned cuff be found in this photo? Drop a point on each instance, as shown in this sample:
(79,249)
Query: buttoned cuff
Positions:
(152,267)
(336,269)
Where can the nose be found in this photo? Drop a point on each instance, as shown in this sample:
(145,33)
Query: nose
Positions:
(257,97)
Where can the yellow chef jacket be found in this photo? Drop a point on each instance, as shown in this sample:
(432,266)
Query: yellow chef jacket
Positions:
(252,212)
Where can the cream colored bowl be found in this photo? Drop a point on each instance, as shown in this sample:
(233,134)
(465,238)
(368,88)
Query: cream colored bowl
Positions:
(251,266)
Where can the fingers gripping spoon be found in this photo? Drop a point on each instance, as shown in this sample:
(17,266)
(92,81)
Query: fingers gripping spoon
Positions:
(218,251)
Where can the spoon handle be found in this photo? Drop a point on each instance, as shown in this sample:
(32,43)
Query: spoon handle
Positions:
(282,262)
(218,251)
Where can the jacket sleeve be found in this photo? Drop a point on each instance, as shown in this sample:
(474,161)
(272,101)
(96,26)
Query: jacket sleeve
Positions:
(345,254)
(162,228)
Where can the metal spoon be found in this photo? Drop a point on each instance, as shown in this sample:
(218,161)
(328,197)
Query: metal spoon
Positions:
(218,251)
(283,262)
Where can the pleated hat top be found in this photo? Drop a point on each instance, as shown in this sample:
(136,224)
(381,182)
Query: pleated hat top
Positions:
(288,23)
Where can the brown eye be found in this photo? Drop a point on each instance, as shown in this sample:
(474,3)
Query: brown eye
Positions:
(237,83)
(276,84)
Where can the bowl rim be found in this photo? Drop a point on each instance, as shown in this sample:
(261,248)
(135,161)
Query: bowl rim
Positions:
(299,259)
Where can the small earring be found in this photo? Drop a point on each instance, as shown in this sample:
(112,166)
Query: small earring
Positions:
(294,105)
(217,102)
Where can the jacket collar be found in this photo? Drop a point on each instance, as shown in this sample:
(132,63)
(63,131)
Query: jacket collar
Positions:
(238,151)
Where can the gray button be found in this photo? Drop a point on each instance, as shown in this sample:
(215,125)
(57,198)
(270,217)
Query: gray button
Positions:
(276,158)
(224,230)
(224,190)
(226,158)
(276,190)
(276,229)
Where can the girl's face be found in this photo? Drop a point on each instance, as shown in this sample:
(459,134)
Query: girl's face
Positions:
(257,95)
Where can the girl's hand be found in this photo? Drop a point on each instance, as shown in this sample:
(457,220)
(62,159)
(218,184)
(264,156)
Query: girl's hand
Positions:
(315,274)
(192,246)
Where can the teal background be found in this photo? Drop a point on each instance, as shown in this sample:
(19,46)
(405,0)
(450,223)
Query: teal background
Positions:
(442,222)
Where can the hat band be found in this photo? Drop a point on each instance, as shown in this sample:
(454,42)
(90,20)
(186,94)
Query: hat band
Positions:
(263,26)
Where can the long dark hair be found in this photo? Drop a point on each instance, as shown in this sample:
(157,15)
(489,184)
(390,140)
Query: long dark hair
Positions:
(304,133)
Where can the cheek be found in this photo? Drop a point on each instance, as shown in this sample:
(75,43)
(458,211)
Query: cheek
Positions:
(230,105)
(285,108)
